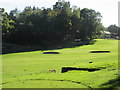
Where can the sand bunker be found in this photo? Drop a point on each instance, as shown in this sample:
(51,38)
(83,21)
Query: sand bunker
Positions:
(50,52)
(99,51)
(66,69)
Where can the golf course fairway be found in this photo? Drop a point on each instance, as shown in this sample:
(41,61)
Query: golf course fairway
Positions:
(35,69)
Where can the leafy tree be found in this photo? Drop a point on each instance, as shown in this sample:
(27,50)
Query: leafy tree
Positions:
(6,24)
(113,29)
(14,14)
(63,22)
(51,26)
(90,19)
(99,31)
(75,19)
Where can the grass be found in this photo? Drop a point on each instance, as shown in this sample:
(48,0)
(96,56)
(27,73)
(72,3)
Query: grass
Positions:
(31,69)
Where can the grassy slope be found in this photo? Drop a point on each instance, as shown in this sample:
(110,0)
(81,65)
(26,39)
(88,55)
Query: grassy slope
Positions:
(31,69)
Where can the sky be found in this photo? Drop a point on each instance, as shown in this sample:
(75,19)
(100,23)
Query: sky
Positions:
(107,8)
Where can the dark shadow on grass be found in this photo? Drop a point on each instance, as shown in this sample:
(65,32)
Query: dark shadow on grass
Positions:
(115,83)
(16,48)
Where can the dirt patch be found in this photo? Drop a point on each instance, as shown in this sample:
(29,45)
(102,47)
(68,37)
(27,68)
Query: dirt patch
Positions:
(66,69)
(99,51)
(50,52)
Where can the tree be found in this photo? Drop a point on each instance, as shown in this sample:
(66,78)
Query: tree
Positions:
(63,22)
(14,14)
(90,19)
(51,26)
(113,29)
(6,24)
(75,19)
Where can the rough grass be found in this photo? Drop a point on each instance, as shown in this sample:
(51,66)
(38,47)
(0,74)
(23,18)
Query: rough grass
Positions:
(31,69)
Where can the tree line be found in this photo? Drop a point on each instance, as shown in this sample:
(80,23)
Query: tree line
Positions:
(49,26)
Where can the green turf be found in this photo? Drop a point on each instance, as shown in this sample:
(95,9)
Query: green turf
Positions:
(31,69)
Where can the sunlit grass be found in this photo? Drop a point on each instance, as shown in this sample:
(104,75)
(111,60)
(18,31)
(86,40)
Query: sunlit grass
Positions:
(31,69)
